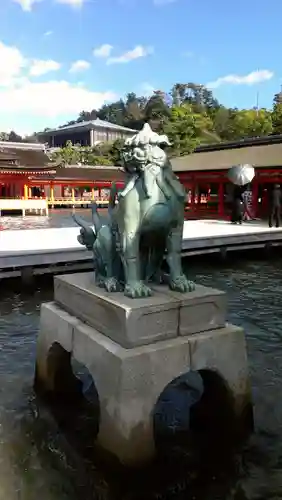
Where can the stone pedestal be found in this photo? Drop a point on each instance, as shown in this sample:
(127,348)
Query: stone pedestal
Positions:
(134,349)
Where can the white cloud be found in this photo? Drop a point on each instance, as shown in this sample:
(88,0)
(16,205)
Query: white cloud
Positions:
(103,51)
(26,5)
(40,67)
(34,106)
(131,55)
(72,3)
(48,33)
(80,65)
(11,64)
(28,105)
(51,99)
(249,79)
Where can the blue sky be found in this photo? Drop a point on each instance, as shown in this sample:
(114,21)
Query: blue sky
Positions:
(60,56)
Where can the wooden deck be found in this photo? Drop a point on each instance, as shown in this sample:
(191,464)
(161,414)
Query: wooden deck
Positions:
(33,206)
(73,202)
(57,250)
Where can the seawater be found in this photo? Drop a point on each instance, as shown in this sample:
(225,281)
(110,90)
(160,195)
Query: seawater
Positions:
(38,459)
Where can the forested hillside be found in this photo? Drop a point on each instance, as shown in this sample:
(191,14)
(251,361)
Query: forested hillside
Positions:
(189,114)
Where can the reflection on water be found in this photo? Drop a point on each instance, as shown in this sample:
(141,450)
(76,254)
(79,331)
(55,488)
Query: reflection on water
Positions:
(38,460)
(56,218)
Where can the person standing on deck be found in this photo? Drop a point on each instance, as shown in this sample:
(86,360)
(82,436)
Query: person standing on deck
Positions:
(247,199)
(275,206)
(237,206)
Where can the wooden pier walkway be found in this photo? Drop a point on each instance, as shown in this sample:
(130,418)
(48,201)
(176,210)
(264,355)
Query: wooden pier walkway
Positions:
(40,251)
(31,206)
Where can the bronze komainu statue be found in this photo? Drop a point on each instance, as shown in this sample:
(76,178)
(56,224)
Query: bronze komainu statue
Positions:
(144,225)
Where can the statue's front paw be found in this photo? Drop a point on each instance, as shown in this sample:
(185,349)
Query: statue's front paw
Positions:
(86,238)
(99,280)
(182,284)
(81,239)
(137,290)
(86,242)
(112,285)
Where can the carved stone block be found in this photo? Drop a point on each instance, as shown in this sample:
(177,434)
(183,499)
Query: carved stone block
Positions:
(201,310)
(126,321)
(133,323)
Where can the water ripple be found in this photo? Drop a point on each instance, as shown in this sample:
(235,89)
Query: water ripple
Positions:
(36,460)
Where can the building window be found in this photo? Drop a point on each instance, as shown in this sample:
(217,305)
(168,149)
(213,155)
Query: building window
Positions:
(113,135)
(101,135)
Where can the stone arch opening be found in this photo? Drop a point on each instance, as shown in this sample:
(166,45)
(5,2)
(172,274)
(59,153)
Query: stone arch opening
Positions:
(213,418)
(195,410)
(71,393)
(58,380)
(172,411)
(87,385)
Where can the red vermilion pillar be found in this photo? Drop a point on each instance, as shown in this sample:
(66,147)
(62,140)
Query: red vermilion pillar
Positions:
(21,189)
(255,187)
(193,194)
(221,200)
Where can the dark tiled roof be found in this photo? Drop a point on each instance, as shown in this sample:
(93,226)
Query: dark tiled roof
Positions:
(88,125)
(269,155)
(24,154)
(21,146)
(96,167)
(90,173)
(26,171)
(241,143)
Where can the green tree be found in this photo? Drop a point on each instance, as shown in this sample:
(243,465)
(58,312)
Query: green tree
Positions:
(186,129)
(157,110)
(85,116)
(115,152)
(13,137)
(100,161)
(4,136)
(277,118)
(277,113)
(68,155)
(223,122)
(201,99)
(113,113)
(84,155)
(188,104)
(134,115)
(251,123)
(277,99)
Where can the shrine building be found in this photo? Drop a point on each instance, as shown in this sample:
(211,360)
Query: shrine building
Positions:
(26,172)
(86,133)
